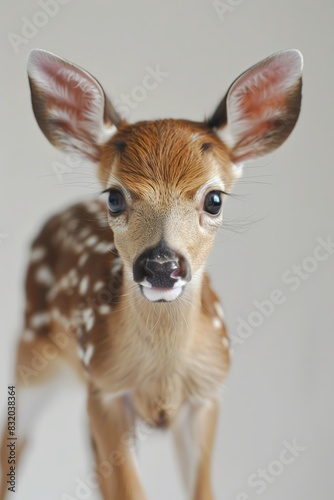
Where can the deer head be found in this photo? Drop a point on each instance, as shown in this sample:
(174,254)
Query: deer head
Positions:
(166,180)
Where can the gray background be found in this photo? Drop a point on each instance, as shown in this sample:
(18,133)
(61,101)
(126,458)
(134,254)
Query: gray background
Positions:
(281,384)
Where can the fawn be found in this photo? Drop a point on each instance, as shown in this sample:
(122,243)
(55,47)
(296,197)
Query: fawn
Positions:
(118,289)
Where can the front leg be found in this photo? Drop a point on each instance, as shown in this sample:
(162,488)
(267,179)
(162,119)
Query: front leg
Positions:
(112,430)
(194,431)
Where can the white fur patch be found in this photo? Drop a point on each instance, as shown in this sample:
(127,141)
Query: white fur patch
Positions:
(237,169)
(91,241)
(37,254)
(84,233)
(88,318)
(217,323)
(88,354)
(104,247)
(104,309)
(98,285)
(83,286)
(167,294)
(28,336)
(39,319)
(44,276)
(116,265)
(83,258)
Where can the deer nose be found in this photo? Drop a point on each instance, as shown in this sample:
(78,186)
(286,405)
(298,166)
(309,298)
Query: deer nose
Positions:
(161,267)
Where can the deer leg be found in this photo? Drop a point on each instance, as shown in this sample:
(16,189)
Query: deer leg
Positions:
(112,429)
(194,431)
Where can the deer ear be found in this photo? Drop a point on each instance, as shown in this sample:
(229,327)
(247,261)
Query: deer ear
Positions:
(70,106)
(261,107)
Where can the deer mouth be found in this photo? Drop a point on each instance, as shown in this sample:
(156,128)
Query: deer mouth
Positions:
(159,294)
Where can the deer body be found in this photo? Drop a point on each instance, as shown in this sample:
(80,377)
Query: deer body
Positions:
(121,293)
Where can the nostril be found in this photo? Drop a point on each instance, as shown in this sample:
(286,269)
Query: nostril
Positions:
(176,272)
(169,268)
(182,270)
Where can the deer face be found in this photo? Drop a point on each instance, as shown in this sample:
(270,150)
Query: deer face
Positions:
(166,181)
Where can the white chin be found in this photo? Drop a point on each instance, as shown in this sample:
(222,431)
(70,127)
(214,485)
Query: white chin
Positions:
(156,294)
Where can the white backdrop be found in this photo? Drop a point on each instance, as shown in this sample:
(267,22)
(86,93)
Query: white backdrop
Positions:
(280,388)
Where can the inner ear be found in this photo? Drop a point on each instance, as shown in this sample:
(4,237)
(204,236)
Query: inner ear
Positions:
(261,107)
(70,105)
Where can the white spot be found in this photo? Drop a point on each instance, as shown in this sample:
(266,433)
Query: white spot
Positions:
(88,354)
(104,247)
(83,258)
(219,310)
(237,169)
(83,287)
(77,247)
(104,309)
(225,136)
(80,352)
(28,336)
(116,265)
(73,277)
(92,240)
(44,276)
(39,319)
(37,254)
(88,318)
(59,317)
(217,323)
(84,233)
(98,285)
(93,207)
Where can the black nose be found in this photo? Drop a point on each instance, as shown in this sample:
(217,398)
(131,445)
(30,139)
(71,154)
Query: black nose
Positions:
(161,267)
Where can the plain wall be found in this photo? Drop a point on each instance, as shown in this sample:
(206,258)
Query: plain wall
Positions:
(280,387)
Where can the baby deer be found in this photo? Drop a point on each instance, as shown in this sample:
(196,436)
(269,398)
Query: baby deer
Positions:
(118,289)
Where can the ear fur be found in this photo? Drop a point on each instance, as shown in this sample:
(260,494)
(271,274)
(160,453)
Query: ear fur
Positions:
(261,107)
(70,105)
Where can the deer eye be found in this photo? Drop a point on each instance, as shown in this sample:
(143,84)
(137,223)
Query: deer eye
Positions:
(213,202)
(116,202)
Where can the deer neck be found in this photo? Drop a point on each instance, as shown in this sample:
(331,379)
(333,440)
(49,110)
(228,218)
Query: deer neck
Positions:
(167,324)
